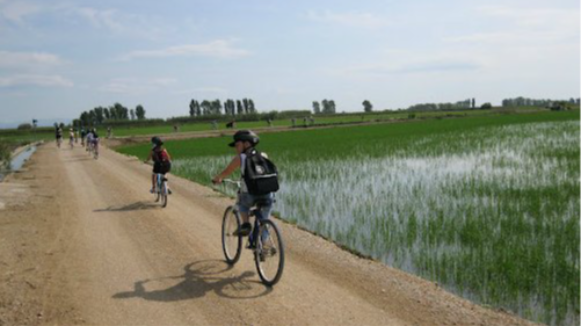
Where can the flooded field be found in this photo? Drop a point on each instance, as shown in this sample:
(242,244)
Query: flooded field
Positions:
(486,207)
(491,214)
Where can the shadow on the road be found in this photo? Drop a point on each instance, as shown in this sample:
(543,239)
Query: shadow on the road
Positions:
(131,207)
(198,279)
(79,159)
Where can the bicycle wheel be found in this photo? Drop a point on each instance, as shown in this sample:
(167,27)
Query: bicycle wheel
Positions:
(157,190)
(269,254)
(231,244)
(164,194)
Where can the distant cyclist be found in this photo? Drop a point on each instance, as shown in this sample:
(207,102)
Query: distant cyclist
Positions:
(90,137)
(95,140)
(161,161)
(244,143)
(59,136)
(71,137)
(83,135)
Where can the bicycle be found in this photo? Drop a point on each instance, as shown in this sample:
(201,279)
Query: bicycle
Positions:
(89,148)
(95,148)
(265,240)
(161,190)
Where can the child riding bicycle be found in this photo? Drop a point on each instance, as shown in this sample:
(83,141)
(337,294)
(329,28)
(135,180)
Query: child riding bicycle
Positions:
(161,161)
(244,143)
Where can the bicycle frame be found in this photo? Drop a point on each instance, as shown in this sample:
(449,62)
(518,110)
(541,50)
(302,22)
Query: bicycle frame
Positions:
(256,212)
(257,220)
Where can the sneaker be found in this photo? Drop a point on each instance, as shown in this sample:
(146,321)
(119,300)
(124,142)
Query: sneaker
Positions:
(244,230)
(268,250)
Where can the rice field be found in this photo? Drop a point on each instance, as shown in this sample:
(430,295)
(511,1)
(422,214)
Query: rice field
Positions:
(487,207)
(167,128)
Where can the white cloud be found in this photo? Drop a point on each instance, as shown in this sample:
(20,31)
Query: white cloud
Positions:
(412,64)
(32,60)
(112,20)
(121,23)
(525,25)
(16,11)
(100,18)
(203,90)
(35,80)
(352,19)
(136,86)
(218,48)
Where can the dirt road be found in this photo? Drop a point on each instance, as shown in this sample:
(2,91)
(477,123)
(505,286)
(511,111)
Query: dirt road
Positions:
(81,242)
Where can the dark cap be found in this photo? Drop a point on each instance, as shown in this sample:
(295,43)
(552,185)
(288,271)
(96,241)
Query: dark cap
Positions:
(245,135)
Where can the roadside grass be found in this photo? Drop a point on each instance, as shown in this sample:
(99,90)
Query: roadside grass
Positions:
(12,139)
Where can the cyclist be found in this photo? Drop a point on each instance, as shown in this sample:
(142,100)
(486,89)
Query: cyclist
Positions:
(83,135)
(90,137)
(95,140)
(59,136)
(244,143)
(71,137)
(161,161)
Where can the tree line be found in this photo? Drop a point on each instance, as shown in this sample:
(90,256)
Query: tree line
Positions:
(325,107)
(465,104)
(216,108)
(523,101)
(115,113)
(245,109)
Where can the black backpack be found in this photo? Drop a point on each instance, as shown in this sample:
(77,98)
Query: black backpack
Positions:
(260,174)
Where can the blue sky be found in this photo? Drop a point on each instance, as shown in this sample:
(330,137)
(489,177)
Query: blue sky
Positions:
(59,58)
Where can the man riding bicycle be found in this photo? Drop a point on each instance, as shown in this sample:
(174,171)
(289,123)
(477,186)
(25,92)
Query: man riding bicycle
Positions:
(244,143)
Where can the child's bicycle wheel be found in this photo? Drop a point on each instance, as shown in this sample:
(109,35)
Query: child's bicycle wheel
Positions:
(231,243)
(164,193)
(157,191)
(269,253)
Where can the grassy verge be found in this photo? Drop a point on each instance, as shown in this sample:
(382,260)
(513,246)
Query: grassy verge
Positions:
(12,139)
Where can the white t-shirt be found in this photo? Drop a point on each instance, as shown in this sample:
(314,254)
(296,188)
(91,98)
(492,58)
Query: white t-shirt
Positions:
(243,187)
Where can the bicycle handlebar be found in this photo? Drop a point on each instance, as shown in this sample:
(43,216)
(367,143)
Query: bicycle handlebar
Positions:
(237,183)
